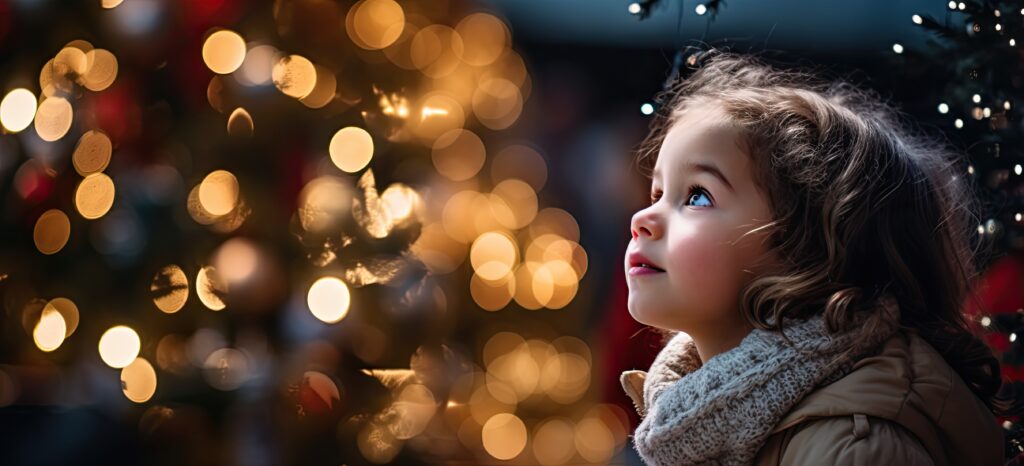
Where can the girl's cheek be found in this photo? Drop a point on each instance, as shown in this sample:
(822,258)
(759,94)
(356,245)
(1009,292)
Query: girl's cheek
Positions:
(701,268)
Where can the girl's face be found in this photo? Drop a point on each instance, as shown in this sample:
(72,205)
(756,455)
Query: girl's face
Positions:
(687,260)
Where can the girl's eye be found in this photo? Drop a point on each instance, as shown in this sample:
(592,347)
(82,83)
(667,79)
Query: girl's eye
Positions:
(697,192)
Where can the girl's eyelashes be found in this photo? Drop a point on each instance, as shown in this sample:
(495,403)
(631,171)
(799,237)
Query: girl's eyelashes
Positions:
(695,190)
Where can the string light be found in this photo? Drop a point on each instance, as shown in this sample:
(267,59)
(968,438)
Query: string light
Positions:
(976,98)
(916,19)
(958,123)
(646,108)
(961,6)
(1017,169)
(701,9)
(952,5)
(897,47)
(943,108)
(1013,42)
(634,8)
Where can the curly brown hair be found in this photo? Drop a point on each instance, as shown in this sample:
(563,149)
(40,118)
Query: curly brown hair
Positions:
(865,205)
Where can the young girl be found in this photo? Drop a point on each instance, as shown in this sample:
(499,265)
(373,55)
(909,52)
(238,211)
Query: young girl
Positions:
(808,254)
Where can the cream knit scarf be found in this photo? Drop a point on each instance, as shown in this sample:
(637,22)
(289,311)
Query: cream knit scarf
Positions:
(723,411)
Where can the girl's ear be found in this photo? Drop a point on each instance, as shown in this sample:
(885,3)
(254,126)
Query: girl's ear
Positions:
(633,384)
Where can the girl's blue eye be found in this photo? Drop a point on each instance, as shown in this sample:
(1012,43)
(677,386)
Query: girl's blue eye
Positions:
(697,191)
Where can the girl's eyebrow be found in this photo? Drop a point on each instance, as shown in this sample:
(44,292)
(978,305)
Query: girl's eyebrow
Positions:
(706,167)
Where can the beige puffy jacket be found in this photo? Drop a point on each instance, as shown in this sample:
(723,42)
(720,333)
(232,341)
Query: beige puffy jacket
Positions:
(904,406)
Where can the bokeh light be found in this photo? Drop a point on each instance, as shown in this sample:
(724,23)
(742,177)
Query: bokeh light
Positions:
(92,154)
(94,196)
(218,193)
(504,436)
(138,380)
(328,299)
(119,346)
(294,75)
(17,110)
(484,37)
(458,154)
(210,288)
(240,123)
(50,331)
(374,24)
(169,289)
(224,51)
(52,231)
(493,255)
(102,70)
(351,149)
(53,118)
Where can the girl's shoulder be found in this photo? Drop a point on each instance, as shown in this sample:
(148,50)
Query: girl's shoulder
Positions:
(904,398)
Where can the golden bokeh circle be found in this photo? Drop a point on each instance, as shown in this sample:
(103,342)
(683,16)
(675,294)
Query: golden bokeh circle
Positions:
(485,38)
(294,76)
(210,287)
(328,299)
(458,154)
(92,153)
(218,193)
(169,289)
(240,123)
(504,436)
(102,70)
(119,346)
(138,380)
(53,118)
(224,51)
(17,110)
(351,149)
(52,231)
(94,196)
(375,24)
(50,331)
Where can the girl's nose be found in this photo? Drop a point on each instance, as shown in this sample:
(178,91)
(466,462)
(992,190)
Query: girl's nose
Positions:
(644,223)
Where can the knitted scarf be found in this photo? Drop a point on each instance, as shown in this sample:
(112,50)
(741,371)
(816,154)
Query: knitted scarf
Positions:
(722,411)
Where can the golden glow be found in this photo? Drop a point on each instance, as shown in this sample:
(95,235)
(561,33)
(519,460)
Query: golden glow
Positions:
(351,149)
(138,380)
(17,110)
(493,255)
(119,346)
(240,123)
(328,299)
(257,66)
(323,202)
(438,251)
(553,442)
(224,51)
(68,310)
(324,91)
(102,70)
(92,154)
(484,37)
(108,4)
(492,295)
(53,118)
(218,193)
(52,231)
(439,113)
(236,260)
(94,196)
(435,50)
(169,289)
(400,201)
(594,440)
(226,369)
(294,75)
(521,201)
(497,103)
(51,330)
(458,154)
(377,444)
(504,436)
(210,287)
(375,24)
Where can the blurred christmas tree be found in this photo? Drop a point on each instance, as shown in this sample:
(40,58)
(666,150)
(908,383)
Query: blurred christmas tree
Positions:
(296,233)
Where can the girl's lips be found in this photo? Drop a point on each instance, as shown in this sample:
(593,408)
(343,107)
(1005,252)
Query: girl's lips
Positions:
(644,271)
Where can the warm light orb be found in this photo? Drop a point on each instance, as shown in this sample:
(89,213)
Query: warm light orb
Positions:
(485,38)
(504,436)
(108,4)
(51,330)
(94,196)
(294,75)
(92,154)
(53,118)
(17,110)
(52,231)
(218,193)
(210,286)
(493,255)
(102,70)
(375,24)
(328,299)
(119,346)
(351,149)
(458,154)
(169,289)
(138,380)
(224,51)
(240,123)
